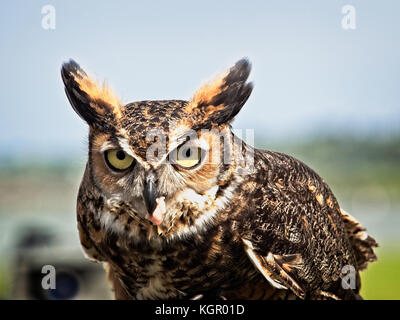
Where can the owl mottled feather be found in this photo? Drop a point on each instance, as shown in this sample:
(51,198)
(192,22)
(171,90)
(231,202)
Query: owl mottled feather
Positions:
(168,230)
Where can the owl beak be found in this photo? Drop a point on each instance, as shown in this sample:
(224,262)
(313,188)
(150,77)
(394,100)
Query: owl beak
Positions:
(154,203)
(150,195)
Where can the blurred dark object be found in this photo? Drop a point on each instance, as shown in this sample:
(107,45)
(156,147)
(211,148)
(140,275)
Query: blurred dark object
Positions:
(75,276)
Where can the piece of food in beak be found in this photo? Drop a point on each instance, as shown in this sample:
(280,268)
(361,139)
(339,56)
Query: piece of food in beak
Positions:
(158,214)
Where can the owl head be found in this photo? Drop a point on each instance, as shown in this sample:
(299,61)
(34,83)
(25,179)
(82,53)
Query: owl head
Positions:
(170,164)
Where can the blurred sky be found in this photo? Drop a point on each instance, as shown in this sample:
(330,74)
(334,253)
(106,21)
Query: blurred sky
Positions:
(311,76)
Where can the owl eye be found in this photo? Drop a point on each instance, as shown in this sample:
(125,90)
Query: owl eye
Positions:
(187,156)
(118,160)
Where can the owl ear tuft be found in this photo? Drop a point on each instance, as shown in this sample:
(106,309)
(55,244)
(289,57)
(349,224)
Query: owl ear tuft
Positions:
(93,102)
(220,100)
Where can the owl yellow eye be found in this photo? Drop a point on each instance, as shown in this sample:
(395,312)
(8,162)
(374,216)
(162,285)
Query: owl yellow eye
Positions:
(118,159)
(187,157)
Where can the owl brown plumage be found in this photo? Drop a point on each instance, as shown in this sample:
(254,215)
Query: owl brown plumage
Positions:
(172,208)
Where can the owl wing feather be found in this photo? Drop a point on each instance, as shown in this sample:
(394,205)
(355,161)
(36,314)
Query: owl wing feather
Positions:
(89,247)
(88,227)
(276,269)
(360,240)
(296,234)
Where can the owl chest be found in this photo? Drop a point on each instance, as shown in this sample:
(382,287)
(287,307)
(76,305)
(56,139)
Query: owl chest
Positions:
(181,269)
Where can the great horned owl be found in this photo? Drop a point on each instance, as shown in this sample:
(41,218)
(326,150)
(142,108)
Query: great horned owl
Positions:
(172,219)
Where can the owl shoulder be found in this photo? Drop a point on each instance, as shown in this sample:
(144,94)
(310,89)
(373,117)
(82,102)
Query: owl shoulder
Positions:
(89,226)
